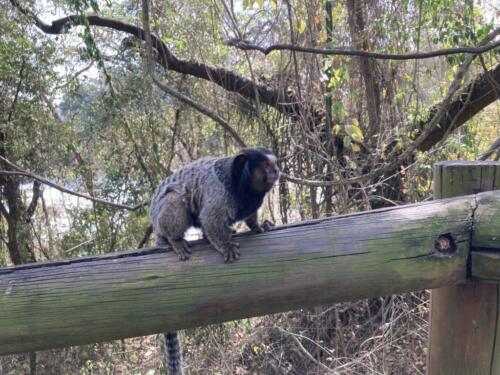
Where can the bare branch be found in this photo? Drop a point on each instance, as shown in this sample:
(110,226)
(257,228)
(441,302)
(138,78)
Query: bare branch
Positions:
(346,51)
(5,212)
(445,117)
(176,94)
(37,192)
(450,114)
(199,107)
(472,99)
(442,110)
(283,101)
(322,183)
(145,238)
(495,147)
(74,76)
(18,171)
(306,352)
(79,245)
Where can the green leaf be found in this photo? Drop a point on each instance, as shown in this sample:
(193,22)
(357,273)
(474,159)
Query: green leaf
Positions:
(347,142)
(301,26)
(354,131)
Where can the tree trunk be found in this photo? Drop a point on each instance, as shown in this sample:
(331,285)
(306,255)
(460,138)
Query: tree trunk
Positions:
(367,66)
(19,236)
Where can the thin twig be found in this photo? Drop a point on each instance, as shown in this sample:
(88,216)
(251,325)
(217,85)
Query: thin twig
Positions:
(79,245)
(5,212)
(228,79)
(37,192)
(145,238)
(18,171)
(346,51)
(176,94)
(495,147)
(307,353)
(200,108)
(74,76)
(321,183)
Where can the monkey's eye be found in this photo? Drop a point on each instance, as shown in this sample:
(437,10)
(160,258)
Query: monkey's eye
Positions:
(260,172)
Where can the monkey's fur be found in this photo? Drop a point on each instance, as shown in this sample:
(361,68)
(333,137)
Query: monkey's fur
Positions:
(173,353)
(211,193)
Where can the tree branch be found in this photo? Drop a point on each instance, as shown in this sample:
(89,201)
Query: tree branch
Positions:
(441,114)
(472,99)
(37,192)
(18,171)
(284,102)
(148,38)
(199,107)
(346,51)
(323,183)
(145,238)
(74,76)
(495,147)
(5,212)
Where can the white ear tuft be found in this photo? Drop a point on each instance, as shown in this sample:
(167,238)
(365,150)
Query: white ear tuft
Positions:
(271,157)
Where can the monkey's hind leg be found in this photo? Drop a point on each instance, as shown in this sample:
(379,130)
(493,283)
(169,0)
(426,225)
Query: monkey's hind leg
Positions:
(219,234)
(173,223)
(162,241)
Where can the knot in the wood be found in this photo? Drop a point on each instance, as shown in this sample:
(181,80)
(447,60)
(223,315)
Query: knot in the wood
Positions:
(445,244)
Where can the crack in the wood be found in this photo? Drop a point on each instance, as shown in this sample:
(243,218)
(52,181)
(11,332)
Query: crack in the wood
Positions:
(468,272)
(133,253)
(495,343)
(335,256)
(431,253)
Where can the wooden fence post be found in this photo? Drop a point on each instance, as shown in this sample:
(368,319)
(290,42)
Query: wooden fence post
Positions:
(464,318)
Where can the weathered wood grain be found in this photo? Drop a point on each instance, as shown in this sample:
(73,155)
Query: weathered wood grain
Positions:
(486,266)
(486,233)
(464,318)
(143,292)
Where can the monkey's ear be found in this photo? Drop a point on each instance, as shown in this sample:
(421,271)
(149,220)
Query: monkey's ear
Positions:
(238,166)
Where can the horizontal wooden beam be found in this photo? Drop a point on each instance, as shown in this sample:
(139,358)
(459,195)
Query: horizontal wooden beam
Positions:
(135,293)
(486,266)
(486,234)
(485,254)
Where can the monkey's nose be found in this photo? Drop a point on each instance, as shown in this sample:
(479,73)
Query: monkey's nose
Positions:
(273,176)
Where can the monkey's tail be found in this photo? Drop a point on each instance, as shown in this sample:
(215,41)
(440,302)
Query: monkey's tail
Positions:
(173,353)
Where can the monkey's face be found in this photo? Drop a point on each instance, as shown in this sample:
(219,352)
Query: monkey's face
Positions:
(255,169)
(265,173)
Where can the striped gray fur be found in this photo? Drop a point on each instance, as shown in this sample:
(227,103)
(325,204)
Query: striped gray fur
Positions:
(173,353)
(191,183)
(200,194)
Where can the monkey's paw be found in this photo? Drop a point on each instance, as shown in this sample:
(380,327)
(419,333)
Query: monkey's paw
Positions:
(267,225)
(182,249)
(231,253)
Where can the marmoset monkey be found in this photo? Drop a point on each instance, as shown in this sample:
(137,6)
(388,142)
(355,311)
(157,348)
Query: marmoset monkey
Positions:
(212,194)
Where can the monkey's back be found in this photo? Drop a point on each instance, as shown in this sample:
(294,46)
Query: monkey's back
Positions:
(202,182)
